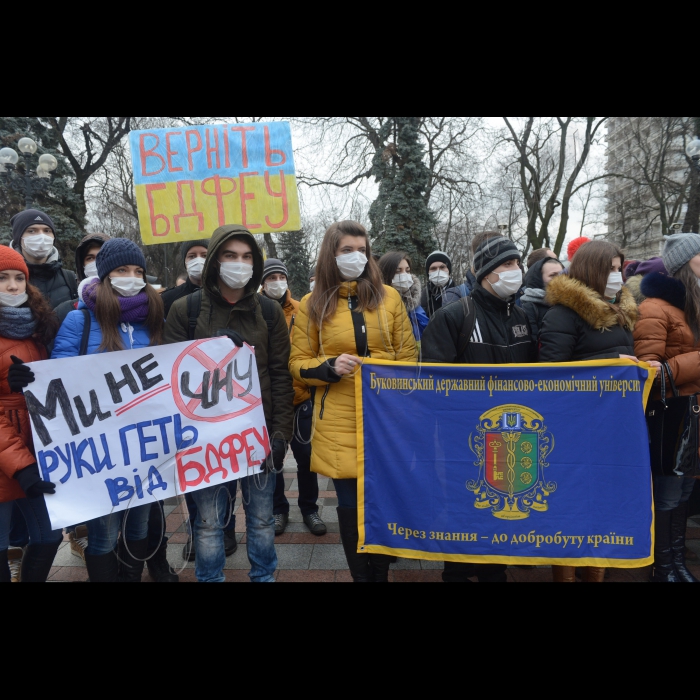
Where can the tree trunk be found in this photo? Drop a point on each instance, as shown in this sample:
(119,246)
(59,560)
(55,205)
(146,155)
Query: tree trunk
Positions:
(271,246)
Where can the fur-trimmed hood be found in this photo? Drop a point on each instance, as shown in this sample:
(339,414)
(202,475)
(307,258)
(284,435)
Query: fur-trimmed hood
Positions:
(659,286)
(589,305)
(412,297)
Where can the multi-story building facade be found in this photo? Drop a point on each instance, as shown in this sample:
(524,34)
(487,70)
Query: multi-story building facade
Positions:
(650,194)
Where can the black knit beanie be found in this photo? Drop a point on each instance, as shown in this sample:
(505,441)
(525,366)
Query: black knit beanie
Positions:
(22,221)
(188,245)
(118,252)
(437,256)
(492,254)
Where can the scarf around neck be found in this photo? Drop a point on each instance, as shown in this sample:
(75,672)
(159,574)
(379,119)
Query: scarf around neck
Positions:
(17,324)
(134,309)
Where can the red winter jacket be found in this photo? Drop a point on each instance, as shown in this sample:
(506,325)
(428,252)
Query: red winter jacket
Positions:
(16,445)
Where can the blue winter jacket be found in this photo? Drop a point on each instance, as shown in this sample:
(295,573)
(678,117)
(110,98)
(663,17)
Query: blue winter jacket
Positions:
(419,321)
(69,339)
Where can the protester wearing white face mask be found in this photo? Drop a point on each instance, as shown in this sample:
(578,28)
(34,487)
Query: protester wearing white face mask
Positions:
(123,313)
(396,271)
(351,315)
(194,257)
(275,286)
(438,269)
(229,305)
(33,236)
(85,268)
(669,332)
(486,328)
(592,318)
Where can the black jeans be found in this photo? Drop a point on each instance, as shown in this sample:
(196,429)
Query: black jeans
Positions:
(301,448)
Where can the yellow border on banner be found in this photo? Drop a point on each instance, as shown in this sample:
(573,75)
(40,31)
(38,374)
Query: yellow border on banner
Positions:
(363,548)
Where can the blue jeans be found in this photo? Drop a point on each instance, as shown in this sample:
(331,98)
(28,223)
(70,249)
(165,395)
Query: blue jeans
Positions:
(347,492)
(36,517)
(19,533)
(212,504)
(103,533)
(232,487)
(671,491)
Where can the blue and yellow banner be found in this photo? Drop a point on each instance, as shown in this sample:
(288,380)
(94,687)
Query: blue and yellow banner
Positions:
(189,181)
(519,464)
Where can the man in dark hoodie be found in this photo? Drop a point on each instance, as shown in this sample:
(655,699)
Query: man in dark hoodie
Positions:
(498,334)
(85,267)
(229,305)
(438,270)
(194,256)
(33,236)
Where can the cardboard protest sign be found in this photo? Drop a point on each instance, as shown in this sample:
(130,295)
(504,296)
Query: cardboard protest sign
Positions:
(125,429)
(192,180)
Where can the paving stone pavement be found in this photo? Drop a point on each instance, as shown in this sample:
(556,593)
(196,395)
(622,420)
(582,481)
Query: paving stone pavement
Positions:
(304,558)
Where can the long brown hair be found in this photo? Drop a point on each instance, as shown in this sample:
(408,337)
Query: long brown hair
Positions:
(692,298)
(591,266)
(390,263)
(109,312)
(323,303)
(46,320)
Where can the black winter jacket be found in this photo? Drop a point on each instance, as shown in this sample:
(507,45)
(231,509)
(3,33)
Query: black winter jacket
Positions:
(582,326)
(172,295)
(56,284)
(501,335)
(433,298)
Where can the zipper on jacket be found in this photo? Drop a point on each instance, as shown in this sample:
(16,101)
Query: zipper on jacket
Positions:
(323,401)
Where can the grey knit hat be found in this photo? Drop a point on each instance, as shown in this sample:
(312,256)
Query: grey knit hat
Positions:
(680,249)
(492,254)
(274,267)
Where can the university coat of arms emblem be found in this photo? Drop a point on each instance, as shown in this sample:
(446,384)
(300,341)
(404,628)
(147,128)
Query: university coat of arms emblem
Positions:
(512,446)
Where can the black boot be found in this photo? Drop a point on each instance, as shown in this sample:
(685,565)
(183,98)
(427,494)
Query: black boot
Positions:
(380,566)
(37,562)
(5,576)
(133,561)
(679,530)
(664,571)
(102,569)
(158,566)
(350,536)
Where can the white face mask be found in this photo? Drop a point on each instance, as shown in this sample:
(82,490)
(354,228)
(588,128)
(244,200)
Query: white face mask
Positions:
(38,247)
(195,268)
(614,287)
(276,290)
(402,283)
(509,284)
(128,286)
(313,285)
(13,300)
(352,265)
(91,270)
(236,275)
(440,278)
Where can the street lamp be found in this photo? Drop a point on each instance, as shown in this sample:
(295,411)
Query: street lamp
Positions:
(693,152)
(35,180)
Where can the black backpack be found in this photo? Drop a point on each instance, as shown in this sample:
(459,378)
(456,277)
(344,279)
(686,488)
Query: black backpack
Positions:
(194,309)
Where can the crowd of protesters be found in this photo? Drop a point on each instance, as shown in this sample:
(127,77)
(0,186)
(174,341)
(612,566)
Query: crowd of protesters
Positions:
(595,306)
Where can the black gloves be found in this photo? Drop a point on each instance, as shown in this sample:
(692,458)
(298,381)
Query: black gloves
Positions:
(19,376)
(30,482)
(276,458)
(226,333)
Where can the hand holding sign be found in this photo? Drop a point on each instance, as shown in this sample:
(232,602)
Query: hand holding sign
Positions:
(168,421)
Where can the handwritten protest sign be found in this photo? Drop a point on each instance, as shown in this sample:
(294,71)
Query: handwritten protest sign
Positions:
(126,429)
(192,180)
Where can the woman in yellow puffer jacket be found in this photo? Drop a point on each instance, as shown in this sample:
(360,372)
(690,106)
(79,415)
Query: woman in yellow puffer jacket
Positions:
(349,316)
